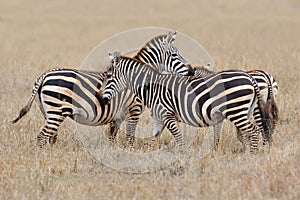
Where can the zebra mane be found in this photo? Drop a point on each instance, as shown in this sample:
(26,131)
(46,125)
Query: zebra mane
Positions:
(119,58)
(166,39)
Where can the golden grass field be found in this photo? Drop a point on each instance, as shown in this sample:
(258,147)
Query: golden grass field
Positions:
(38,35)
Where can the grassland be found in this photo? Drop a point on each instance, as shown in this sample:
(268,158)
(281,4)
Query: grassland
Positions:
(36,36)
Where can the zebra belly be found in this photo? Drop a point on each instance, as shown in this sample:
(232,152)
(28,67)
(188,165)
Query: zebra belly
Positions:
(55,103)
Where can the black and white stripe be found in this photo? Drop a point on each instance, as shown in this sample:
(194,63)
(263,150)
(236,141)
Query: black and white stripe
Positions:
(268,91)
(72,93)
(196,101)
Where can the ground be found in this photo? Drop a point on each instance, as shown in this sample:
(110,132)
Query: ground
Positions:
(36,36)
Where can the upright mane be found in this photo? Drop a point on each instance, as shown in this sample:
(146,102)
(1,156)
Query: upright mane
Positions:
(148,44)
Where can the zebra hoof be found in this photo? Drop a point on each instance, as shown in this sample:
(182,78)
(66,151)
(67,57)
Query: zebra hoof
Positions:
(52,140)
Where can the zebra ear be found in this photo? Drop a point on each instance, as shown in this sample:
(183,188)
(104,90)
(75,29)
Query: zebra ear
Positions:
(168,40)
(116,56)
(111,56)
(171,37)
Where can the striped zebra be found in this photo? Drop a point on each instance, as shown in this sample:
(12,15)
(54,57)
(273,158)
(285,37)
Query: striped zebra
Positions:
(268,90)
(72,93)
(195,101)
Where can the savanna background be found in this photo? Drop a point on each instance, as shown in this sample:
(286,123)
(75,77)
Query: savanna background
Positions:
(38,35)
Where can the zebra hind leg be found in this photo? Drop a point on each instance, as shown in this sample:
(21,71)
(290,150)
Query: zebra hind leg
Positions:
(46,135)
(249,136)
(217,132)
(53,139)
(49,132)
(259,122)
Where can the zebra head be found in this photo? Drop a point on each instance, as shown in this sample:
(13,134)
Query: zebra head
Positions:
(114,82)
(161,54)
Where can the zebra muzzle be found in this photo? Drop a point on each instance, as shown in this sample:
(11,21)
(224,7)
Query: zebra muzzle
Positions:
(191,71)
(103,99)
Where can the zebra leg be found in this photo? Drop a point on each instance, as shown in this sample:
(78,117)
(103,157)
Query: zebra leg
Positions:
(49,131)
(259,122)
(239,136)
(254,139)
(134,112)
(171,124)
(53,139)
(113,130)
(217,130)
(249,130)
(130,132)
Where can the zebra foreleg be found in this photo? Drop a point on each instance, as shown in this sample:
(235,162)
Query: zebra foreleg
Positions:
(171,124)
(134,114)
(130,133)
(217,132)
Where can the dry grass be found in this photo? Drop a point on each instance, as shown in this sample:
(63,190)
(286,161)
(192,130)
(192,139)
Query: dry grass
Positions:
(36,36)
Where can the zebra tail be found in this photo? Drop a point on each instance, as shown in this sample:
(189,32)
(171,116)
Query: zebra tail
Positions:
(271,113)
(35,89)
(262,109)
(270,108)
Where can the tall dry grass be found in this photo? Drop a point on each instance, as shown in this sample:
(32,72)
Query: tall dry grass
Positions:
(36,36)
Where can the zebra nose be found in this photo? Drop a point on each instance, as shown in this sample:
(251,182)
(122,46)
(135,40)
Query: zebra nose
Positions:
(104,100)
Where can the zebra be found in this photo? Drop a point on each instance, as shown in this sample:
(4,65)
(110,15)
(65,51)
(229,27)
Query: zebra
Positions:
(268,90)
(72,93)
(195,101)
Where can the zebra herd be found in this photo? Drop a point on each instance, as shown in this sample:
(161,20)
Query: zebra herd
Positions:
(192,95)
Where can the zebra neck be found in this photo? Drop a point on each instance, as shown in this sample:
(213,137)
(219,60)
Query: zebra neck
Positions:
(142,80)
(144,57)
